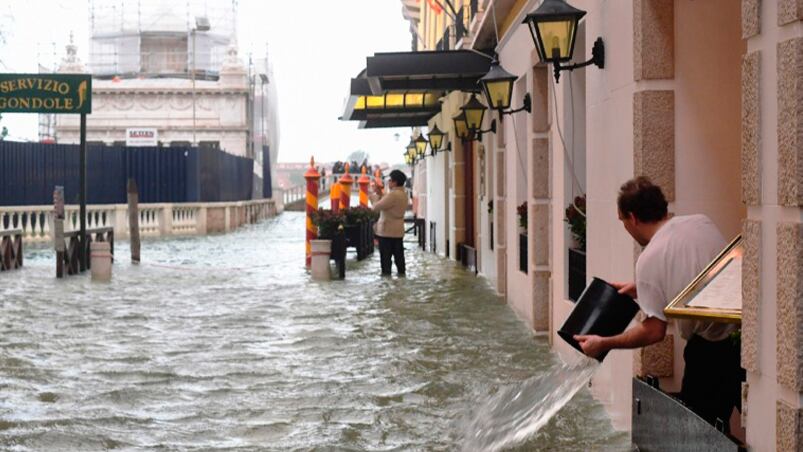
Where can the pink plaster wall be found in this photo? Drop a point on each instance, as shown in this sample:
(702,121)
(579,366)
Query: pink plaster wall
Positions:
(708,52)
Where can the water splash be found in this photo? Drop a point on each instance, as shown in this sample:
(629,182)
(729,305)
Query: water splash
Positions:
(516,412)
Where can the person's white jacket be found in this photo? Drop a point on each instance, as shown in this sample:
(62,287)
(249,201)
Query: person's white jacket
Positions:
(391,210)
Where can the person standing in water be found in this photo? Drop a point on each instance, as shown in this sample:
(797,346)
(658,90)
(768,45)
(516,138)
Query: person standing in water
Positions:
(676,250)
(390,227)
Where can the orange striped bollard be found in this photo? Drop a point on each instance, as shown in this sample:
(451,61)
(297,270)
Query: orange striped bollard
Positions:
(334,197)
(378,181)
(312,176)
(364,181)
(345,189)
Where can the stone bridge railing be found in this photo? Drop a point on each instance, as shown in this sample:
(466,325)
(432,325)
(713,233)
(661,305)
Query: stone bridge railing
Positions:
(162,219)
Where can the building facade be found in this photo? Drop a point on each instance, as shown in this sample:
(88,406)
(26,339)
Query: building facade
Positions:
(176,69)
(706,99)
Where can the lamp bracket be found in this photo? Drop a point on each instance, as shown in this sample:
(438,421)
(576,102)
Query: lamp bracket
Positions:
(527,105)
(597,59)
(477,134)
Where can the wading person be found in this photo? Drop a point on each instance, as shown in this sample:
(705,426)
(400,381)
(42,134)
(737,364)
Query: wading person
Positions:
(676,251)
(390,227)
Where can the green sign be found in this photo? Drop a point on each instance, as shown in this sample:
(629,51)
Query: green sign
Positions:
(45,93)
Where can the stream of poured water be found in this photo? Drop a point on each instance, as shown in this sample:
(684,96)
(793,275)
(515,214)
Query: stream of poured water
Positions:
(518,411)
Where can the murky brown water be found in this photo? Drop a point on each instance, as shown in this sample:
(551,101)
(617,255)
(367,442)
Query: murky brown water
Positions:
(223,343)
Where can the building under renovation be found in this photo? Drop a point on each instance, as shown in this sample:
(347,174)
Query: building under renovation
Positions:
(169,74)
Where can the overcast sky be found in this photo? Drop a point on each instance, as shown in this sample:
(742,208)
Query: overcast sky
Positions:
(316,47)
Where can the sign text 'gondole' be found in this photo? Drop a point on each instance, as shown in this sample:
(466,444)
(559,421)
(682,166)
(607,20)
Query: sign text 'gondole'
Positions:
(46,93)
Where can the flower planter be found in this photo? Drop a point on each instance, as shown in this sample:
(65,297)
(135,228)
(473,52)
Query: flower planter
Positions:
(321,253)
(577,273)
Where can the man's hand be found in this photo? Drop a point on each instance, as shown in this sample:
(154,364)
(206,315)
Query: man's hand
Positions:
(592,345)
(626,288)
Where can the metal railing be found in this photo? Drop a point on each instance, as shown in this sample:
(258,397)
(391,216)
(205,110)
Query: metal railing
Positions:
(163,219)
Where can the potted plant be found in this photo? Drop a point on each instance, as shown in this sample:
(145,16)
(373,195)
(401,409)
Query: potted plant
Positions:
(328,223)
(357,227)
(576,219)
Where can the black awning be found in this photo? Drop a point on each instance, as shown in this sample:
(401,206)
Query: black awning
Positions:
(402,89)
(447,70)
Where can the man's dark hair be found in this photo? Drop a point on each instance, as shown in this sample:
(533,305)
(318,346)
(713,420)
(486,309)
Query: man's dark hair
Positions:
(398,177)
(643,199)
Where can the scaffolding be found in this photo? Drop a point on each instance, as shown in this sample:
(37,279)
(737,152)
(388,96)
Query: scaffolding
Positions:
(154,38)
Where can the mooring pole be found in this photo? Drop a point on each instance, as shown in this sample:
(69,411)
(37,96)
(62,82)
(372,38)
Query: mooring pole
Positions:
(58,229)
(378,181)
(82,195)
(364,181)
(312,176)
(345,189)
(334,197)
(133,219)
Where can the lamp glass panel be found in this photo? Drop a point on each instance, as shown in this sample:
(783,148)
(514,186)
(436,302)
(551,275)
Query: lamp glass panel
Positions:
(461,128)
(474,118)
(421,147)
(435,141)
(498,94)
(557,35)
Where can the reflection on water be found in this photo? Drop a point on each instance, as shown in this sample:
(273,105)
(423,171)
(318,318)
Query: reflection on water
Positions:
(223,342)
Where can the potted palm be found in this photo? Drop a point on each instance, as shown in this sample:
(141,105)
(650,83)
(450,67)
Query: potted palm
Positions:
(576,220)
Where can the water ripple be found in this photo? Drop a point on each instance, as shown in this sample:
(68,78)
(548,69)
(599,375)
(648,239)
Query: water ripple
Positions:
(224,343)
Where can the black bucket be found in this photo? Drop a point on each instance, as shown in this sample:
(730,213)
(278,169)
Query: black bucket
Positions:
(600,310)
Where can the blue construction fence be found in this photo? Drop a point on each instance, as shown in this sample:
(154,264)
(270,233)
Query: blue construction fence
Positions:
(30,171)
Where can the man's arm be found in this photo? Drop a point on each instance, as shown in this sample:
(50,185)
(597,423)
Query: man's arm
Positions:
(381,204)
(648,332)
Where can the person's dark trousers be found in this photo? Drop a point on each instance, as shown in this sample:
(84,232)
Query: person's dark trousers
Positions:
(712,381)
(391,247)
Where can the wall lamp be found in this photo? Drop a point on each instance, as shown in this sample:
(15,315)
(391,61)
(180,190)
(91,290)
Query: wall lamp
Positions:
(497,85)
(411,151)
(553,26)
(436,140)
(421,146)
(468,122)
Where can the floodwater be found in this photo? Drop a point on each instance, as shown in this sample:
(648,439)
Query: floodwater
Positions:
(224,343)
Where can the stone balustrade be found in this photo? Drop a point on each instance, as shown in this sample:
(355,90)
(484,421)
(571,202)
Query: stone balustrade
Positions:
(155,220)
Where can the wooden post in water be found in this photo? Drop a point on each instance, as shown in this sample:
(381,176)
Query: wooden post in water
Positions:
(58,229)
(133,219)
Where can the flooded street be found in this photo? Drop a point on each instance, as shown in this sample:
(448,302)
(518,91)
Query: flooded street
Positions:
(223,342)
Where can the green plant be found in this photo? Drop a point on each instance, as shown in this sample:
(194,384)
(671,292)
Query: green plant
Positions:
(327,222)
(521,211)
(490,207)
(360,214)
(576,219)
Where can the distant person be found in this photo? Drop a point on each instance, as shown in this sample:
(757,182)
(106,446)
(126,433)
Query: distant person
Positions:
(390,227)
(676,251)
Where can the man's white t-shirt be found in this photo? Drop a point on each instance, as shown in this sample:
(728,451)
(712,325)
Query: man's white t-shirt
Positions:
(676,254)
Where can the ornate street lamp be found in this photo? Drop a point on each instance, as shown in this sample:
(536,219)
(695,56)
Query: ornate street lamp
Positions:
(553,26)
(461,127)
(497,85)
(411,150)
(474,112)
(435,139)
(421,146)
